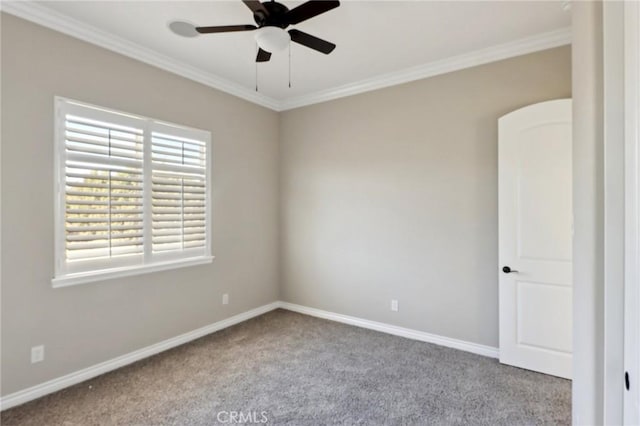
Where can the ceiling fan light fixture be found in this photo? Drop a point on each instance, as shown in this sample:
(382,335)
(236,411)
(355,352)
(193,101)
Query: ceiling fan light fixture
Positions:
(272,39)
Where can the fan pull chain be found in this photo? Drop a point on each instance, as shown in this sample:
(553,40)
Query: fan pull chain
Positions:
(289,65)
(256,67)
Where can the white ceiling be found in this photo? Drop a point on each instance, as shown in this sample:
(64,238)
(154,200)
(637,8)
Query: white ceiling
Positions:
(373,37)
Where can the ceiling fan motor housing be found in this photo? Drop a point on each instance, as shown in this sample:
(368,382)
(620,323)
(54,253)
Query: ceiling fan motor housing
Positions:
(274,18)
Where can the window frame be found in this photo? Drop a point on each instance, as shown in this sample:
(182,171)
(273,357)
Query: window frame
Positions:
(99,270)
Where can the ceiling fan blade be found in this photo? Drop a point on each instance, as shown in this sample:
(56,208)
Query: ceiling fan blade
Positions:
(256,6)
(263,56)
(309,10)
(225,29)
(312,42)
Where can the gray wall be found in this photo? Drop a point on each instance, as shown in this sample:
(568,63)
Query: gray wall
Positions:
(388,194)
(86,324)
(392,194)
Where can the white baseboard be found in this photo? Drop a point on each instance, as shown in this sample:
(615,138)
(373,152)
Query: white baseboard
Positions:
(462,345)
(71,379)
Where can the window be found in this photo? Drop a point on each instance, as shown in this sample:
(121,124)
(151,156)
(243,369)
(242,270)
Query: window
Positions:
(132,194)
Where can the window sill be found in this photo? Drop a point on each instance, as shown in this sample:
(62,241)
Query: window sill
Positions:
(107,274)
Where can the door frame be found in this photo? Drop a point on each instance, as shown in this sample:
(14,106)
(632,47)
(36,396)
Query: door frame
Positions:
(621,47)
(614,210)
(632,211)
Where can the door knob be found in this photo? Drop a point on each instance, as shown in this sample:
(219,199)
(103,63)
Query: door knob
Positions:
(508,270)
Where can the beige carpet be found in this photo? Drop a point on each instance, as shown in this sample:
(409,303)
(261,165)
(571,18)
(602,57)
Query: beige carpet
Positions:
(287,368)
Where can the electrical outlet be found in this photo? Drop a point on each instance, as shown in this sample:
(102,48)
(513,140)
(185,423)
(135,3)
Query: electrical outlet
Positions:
(37,354)
(394,305)
(225,299)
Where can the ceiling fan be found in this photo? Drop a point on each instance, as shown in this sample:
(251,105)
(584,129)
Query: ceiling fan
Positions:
(272,18)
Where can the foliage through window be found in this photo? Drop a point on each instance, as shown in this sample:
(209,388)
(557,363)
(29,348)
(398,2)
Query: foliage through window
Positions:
(132,192)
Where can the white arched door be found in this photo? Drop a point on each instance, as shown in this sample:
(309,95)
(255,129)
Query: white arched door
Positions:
(535,243)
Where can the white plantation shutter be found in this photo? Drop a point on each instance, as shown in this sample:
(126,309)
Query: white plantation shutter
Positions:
(178,193)
(103,196)
(103,212)
(132,191)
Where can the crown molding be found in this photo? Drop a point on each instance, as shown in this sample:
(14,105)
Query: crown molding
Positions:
(49,18)
(499,52)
